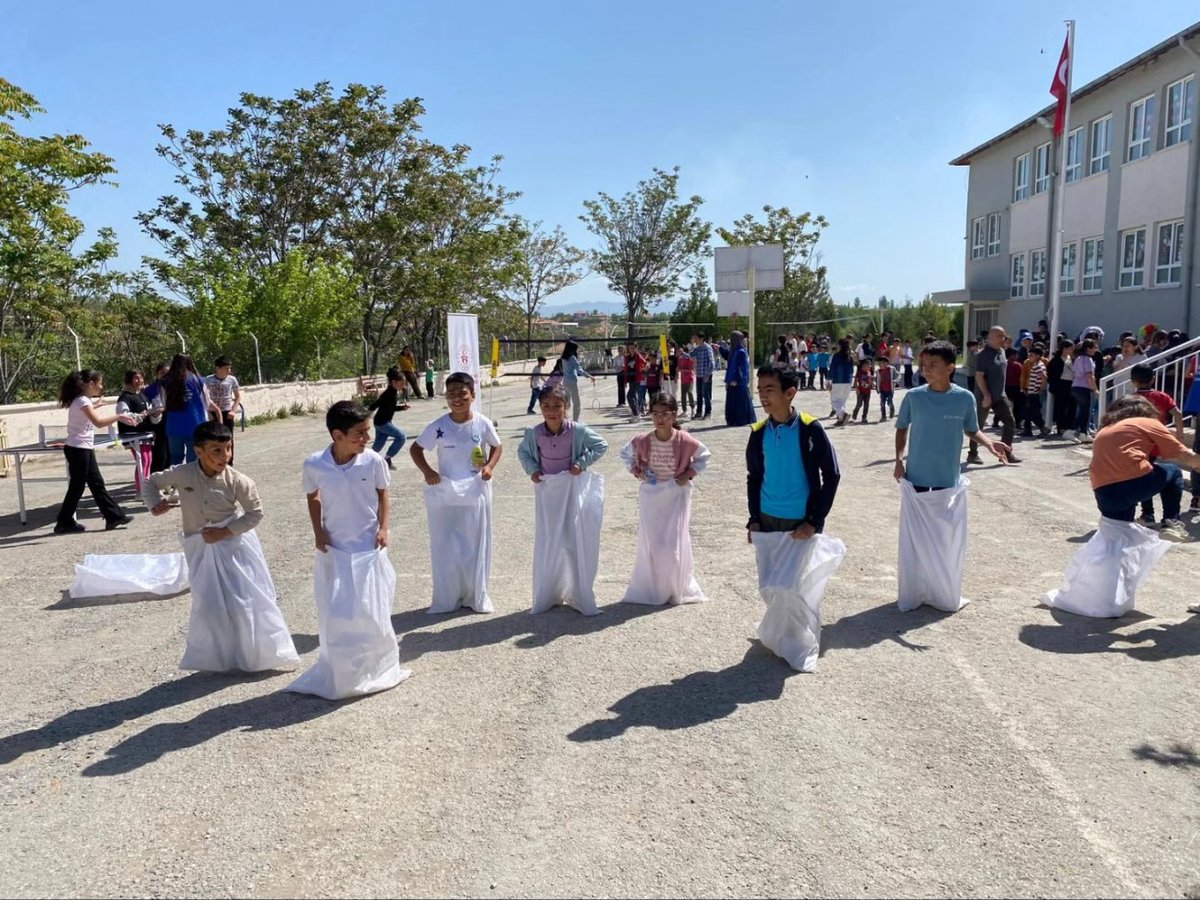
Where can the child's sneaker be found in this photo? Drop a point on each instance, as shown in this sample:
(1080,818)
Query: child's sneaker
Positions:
(1195,505)
(1146,521)
(1173,530)
(1194,608)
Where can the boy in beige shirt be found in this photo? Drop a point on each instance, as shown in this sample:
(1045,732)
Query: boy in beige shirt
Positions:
(235,621)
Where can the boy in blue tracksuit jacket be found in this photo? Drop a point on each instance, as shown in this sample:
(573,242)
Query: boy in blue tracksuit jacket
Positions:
(792,468)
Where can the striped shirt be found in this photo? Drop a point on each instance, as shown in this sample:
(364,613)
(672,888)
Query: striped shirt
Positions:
(1037,378)
(705,363)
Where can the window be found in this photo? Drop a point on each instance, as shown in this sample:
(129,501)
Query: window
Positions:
(1133,258)
(1075,155)
(1169,267)
(1066,281)
(1141,128)
(1021,178)
(1017,284)
(1037,273)
(1041,169)
(1093,264)
(978,237)
(1181,97)
(1101,145)
(993,235)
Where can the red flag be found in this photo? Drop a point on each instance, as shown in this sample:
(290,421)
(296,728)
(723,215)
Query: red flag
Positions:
(1060,87)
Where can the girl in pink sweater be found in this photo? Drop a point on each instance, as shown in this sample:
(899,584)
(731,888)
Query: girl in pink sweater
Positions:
(665,460)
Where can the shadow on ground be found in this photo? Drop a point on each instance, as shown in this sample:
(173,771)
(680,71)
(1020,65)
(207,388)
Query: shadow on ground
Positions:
(1177,755)
(694,699)
(79,723)
(68,602)
(1080,634)
(880,623)
(267,712)
(483,631)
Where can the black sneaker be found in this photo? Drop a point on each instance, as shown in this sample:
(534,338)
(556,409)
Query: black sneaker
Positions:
(974,460)
(73,528)
(388,460)
(117,523)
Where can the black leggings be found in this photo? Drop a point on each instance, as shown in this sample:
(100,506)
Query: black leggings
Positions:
(83,470)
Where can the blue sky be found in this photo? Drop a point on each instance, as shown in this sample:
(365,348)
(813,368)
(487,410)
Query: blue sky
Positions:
(848,110)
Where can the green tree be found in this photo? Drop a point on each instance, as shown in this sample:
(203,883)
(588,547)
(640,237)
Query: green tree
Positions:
(648,239)
(350,180)
(43,281)
(548,263)
(695,307)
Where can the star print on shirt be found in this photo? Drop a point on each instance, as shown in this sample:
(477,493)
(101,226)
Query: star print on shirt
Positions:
(440,434)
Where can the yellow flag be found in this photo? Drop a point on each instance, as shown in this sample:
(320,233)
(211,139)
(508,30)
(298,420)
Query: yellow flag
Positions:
(662,345)
(495,357)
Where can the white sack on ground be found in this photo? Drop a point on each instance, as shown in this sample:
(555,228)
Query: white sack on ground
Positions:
(792,576)
(663,570)
(358,652)
(460,543)
(933,547)
(235,623)
(568,514)
(130,573)
(1104,574)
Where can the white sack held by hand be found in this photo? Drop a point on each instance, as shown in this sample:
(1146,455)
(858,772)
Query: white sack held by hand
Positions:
(460,543)
(663,571)
(235,622)
(792,576)
(568,514)
(358,652)
(933,547)
(1104,574)
(161,574)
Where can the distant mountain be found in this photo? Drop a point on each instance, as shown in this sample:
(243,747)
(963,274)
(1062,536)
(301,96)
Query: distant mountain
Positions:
(604,306)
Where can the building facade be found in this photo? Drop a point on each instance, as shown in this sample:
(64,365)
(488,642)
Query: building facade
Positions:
(1130,236)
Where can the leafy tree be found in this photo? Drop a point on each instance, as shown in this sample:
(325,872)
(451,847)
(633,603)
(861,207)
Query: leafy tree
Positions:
(43,282)
(349,180)
(698,305)
(548,263)
(648,239)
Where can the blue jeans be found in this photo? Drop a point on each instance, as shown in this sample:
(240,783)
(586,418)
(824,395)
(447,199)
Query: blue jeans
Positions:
(1119,501)
(704,396)
(385,431)
(182,449)
(1083,408)
(534,395)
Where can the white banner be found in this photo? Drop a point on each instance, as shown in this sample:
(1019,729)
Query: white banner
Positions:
(463,343)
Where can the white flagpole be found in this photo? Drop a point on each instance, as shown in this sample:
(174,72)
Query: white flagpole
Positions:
(1054,263)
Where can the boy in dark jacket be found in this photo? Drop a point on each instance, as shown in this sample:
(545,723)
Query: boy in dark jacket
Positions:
(793,470)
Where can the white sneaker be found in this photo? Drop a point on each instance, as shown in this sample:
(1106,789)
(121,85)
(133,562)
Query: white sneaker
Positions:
(1085,439)
(1173,530)
(1069,437)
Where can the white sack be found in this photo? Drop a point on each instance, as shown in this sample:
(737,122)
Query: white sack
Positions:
(569,510)
(130,573)
(663,570)
(1105,573)
(358,652)
(933,547)
(460,543)
(792,576)
(235,623)
(838,395)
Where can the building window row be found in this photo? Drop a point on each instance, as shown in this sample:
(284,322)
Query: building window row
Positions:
(985,236)
(1143,129)
(1168,264)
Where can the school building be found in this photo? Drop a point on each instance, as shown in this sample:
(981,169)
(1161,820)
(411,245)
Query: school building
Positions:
(1130,240)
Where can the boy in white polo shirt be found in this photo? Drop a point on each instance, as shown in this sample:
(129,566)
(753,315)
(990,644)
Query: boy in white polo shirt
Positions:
(458,499)
(347,489)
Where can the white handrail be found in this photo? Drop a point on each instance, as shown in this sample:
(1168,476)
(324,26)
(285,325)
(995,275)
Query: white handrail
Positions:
(1174,360)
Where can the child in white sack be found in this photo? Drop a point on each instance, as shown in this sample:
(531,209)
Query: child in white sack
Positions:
(458,498)
(665,460)
(347,489)
(235,623)
(566,550)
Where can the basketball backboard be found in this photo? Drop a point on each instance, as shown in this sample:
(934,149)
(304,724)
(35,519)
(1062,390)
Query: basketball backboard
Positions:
(732,265)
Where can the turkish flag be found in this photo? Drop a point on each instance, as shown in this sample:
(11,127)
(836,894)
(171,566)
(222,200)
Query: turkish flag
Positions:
(1060,87)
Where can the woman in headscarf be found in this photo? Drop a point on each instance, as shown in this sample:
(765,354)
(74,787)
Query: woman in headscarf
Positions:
(739,407)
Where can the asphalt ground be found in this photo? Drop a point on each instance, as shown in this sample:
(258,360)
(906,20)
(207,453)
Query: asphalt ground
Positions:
(1002,750)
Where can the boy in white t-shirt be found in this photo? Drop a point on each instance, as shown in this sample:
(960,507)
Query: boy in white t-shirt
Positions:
(459,437)
(468,449)
(225,392)
(347,489)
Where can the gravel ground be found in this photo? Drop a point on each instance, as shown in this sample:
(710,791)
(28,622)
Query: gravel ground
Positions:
(1004,750)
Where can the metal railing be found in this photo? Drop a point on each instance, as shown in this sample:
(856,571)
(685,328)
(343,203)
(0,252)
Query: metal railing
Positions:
(1171,374)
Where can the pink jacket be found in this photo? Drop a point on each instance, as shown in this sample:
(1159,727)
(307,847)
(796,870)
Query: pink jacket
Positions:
(685,446)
